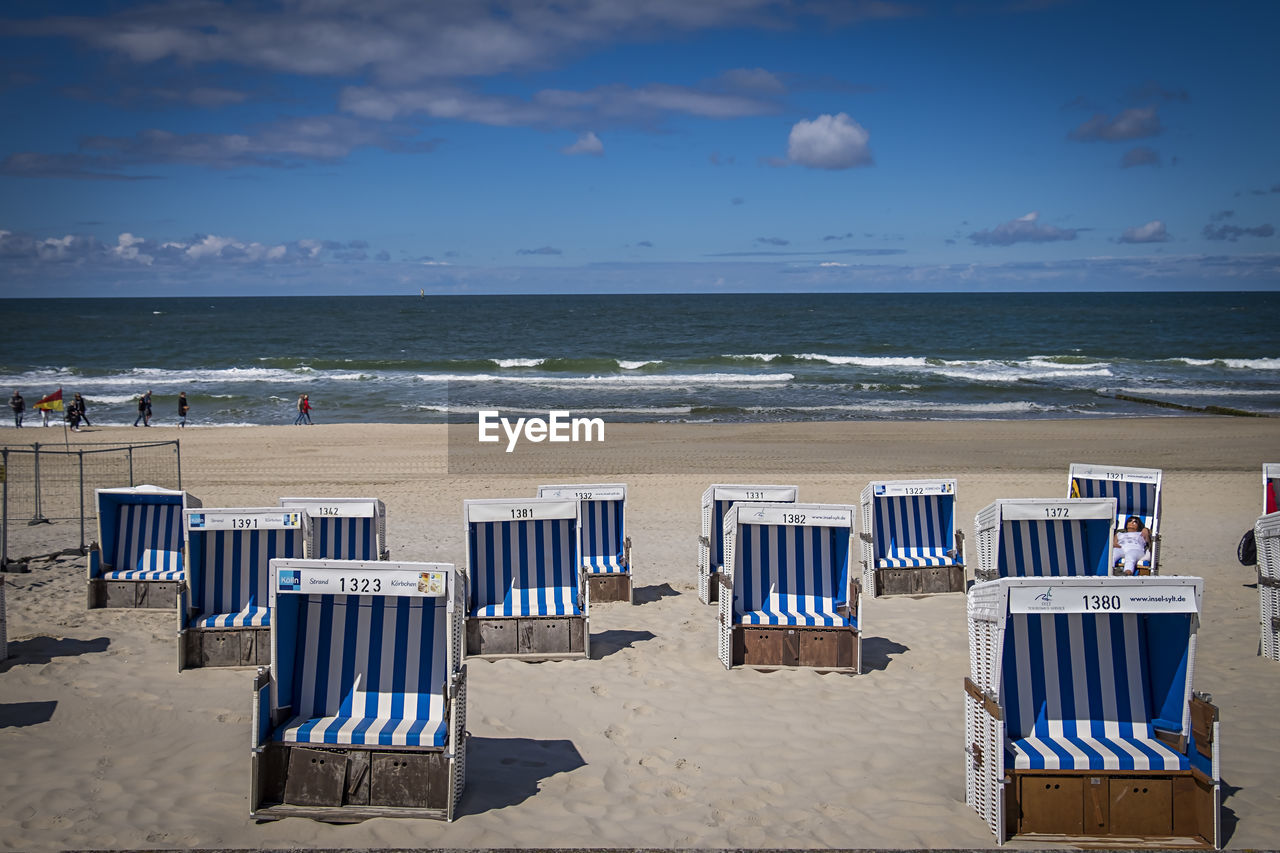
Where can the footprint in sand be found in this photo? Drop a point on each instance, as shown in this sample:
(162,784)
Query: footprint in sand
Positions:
(599,690)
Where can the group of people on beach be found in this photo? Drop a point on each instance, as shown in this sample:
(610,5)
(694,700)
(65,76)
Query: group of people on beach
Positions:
(76,412)
(144,409)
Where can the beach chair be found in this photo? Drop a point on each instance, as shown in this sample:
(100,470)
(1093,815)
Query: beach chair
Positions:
(1044,537)
(224,613)
(716,501)
(605,547)
(1270,487)
(1266,534)
(523,581)
(789,596)
(1137,492)
(1080,721)
(343,528)
(910,544)
(363,711)
(4,628)
(138,558)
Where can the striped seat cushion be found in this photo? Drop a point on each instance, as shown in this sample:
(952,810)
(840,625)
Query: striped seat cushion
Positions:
(602,536)
(1057,548)
(338,538)
(913,531)
(611,565)
(1077,697)
(252,616)
(148,543)
(523,568)
(230,574)
(370,670)
(791,575)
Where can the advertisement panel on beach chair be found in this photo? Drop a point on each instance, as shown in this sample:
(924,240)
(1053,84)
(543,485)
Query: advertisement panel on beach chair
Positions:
(363,711)
(789,597)
(524,588)
(909,540)
(344,528)
(605,545)
(1080,721)
(716,501)
(224,614)
(1030,537)
(1266,534)
(138,558)
(1137,493)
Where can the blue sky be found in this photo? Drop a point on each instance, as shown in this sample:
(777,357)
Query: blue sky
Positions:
(387,146)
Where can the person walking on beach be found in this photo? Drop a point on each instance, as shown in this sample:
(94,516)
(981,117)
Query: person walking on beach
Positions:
(183,408)
(304,411)
(144,409)
(19,406)
(77,403)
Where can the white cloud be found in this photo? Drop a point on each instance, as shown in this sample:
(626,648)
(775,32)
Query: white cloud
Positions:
(1153,232)
(829,142)
(127,249)
(1135,123)
(587,143)
(1024,229)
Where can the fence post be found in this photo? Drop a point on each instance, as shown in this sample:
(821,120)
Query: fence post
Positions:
(177,451)
(4,509)
(80,454)
(38,516)
(131,483)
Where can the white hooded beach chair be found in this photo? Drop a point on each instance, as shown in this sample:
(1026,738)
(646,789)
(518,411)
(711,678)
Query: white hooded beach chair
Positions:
(1044,537)
(605,545)
(224,612)
(910,544)
(1137,492)
(1266,534)
(4,628)
(344,528)
(716,501)
(138,558)
(789,595)
(1270,487)
(1080,721)
(524,590)
(363,711)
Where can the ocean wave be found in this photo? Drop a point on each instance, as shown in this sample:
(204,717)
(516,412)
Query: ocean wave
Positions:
(1002,407)
(866,361)
(752,356)
(636,365)
(518,362)
(576,412)
(1149,392)
(616,381)
(1233,363)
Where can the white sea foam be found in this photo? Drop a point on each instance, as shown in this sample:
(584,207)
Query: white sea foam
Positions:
(518,362)
(636,365)
(670,379)
(753,356)
(1234,363)
(881,406)
(866,361)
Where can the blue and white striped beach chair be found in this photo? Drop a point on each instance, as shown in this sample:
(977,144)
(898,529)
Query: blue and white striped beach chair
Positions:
(224,613)
(1266,533)
(789,593)
(605,545)
(524,587)
(138,558)
(344,528)
(716,501)
(1045,537)
(1137,492)
(363,710)
(1080,720)
(909,538)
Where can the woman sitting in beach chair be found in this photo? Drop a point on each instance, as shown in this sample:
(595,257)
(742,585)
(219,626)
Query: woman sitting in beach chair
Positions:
(137,560)
(363,712)
(1080,722)
(909,540)
(716,501)
(1043,537)
(605,546)
(344,528)
(224,617)
(1137,493)
(525,597)
(789,598)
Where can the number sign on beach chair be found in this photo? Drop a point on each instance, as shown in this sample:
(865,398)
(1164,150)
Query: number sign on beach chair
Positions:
(1033,537)
(523,579)
(224,614)
(1080,721)
(716,501)
(138,558)
(606,549)
(789,597)
(1270,487)
(363,711)
(909,538)
(1266,534)
(344,528)
(1137,492)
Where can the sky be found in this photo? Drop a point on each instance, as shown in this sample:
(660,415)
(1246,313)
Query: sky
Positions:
(396,146)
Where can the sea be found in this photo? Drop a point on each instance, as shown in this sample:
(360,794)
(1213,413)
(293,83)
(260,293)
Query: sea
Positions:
(697,358)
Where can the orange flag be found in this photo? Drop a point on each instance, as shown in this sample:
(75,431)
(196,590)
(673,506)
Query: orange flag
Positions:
(51,402)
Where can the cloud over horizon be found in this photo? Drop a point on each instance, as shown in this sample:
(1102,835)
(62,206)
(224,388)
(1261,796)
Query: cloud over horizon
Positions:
(1024,229)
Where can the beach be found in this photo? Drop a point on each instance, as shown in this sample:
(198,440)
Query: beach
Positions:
(650,743)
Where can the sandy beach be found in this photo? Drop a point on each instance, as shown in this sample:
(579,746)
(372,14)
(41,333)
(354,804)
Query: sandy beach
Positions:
(651,743)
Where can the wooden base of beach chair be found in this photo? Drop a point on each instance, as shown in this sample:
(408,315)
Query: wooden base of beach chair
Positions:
(530,637)
(602,588)
(923,580)
(1158,808)
(207,647)
(830,649)
(350,784)
(154,595)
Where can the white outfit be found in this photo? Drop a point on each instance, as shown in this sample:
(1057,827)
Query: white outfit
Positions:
(1131,547)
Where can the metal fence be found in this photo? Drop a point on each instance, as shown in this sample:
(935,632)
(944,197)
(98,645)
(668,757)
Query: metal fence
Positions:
(48,489)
